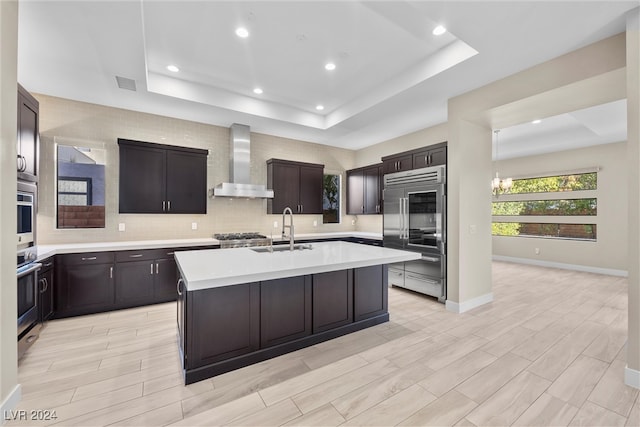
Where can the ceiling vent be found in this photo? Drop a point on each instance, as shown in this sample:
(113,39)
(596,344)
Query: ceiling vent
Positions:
(125,83)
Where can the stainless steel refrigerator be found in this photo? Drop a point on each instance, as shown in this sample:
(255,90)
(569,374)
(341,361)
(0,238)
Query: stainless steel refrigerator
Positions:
(415,220)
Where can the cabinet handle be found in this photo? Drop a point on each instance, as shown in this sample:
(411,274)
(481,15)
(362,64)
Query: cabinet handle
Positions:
(49,264)
(170,253)
(178,286)
(164,204)
(91,258)
(169,206)
(46,284)
(110,272)
(135,256)
(31,339)
(151,268)
(157,268)
(430,158)
(301,208)
(42,286)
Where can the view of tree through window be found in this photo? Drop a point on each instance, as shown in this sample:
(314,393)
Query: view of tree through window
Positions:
(331,199)
(548,206)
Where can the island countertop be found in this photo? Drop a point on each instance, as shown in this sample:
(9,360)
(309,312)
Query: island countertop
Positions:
(212,268)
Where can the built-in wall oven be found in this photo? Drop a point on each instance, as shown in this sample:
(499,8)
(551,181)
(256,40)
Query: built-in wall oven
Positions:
(27,206)
(415,220)
(27,268)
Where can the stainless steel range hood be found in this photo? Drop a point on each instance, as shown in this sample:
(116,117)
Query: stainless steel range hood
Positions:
(239,168)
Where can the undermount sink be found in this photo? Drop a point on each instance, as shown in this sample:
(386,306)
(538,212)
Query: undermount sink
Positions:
(281,248)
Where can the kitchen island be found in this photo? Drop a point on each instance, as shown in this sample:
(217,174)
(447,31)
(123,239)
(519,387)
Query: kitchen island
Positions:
(240,306)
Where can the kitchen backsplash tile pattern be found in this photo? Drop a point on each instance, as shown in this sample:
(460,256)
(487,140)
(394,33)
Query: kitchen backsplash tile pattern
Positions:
(76,123)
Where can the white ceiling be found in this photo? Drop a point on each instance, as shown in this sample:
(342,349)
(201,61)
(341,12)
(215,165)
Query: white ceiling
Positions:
(392,75)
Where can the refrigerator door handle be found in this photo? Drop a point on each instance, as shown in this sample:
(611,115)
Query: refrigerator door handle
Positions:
(406,218)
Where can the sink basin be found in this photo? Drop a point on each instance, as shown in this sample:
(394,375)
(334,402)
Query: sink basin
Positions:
(282,248)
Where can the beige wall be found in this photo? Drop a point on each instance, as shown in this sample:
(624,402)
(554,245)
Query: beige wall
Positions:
(8,120)
(71,122)
(610,249)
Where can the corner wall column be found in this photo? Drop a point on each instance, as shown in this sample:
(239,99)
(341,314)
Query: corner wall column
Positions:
(632,371)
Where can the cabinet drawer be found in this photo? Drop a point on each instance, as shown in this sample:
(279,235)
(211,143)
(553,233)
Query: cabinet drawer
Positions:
(47,264)
(140,255)
(87,258)
(423,284)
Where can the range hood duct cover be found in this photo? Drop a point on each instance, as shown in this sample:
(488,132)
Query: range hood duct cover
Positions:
(240,168)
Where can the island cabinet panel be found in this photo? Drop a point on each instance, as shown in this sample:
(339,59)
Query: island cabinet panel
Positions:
(332,300)
(370,292)
(285,310)
(222,323)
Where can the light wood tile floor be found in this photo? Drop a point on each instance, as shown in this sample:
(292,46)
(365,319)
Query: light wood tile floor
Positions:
(548,351)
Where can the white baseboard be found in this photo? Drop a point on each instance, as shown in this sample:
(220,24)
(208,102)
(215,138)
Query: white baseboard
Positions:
(461,307)
(631,377)
(576,267)
(10,403)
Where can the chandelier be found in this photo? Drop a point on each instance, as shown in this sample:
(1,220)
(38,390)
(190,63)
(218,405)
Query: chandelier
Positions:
(500,185)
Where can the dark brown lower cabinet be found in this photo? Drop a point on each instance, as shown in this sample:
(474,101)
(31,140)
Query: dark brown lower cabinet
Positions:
(285,310)
(164,287)
(84,283)
(370,292)
(332,300)
(46,289)
(134,282)
(222,323)
(226,328)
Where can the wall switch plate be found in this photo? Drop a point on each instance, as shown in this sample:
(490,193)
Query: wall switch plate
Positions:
(537,251)
(275,224)
(315,223)
(121,226)
(194,225)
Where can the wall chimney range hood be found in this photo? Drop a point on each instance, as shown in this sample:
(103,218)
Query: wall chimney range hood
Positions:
(239,168)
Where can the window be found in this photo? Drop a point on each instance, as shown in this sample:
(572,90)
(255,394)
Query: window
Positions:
(331,199)
(539,207)
(74,191)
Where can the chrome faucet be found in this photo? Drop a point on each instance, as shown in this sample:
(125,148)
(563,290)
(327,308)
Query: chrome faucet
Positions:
(290,226)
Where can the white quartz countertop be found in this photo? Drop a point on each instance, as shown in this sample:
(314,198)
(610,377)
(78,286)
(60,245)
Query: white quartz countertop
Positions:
(212,268)
(45,251)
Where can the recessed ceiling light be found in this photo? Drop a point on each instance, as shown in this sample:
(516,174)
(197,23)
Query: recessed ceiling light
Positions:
(242,32)
(257,91)
(439,30)
(173,68)
(330,66)
(536,121)
(319,107)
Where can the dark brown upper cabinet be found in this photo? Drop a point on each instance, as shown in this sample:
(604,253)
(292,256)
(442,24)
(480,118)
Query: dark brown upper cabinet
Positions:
(156,178)
(364,190)
(432,155)
(296,185)
(28,141)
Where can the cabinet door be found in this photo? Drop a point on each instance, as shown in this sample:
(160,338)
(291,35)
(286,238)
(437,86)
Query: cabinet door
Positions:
(355,192)
(28,137)
(372,199)
(438,156)
(45,280)
(421,159)
(370,292)
(332,300)
(166,276)
(186,182)
(285,310)
(142,179)
(310,190)
(84,288)
(134,282)
(398,164)
(286,187)
(222,323)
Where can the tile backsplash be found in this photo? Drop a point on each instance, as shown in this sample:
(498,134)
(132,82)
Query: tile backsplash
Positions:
(77,123)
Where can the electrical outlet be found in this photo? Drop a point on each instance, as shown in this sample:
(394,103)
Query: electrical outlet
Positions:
(194,225)
(275,224)
(315,223)
(537,251)
(353,222)
(121,226)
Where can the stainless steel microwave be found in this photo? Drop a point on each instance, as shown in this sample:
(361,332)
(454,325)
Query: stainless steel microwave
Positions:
(27,201)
